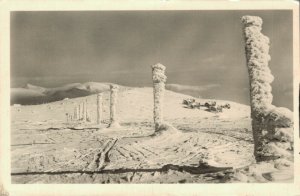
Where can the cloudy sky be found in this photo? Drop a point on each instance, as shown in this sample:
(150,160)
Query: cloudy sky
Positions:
(204,49)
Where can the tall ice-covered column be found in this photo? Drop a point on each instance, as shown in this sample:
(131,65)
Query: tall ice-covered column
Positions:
(270,125)
(83,111)
(86,110)
(159,78)
(113,102)
(99,108)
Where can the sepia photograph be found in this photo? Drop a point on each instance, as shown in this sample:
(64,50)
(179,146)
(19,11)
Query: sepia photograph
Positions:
(156,96)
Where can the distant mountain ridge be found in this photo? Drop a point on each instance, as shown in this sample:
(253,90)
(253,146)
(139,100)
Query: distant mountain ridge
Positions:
(32,94)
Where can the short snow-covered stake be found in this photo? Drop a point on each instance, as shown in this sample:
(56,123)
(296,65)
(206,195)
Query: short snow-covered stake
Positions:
(77,113)
(99,108)
(86,116)
(68,117)
(113,101)
(272,127)
(159,79)
(83,111)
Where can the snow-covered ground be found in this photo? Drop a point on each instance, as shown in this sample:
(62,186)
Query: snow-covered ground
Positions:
(207,148)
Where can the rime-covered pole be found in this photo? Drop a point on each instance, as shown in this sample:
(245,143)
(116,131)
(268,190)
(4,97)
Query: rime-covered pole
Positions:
(113,101)
(88,116)
(86,110)
(260,77)
(159,78)
(83,111)
(79,112)
(75,114)
(99,108)
(67,116)
(267,120)
(257,55)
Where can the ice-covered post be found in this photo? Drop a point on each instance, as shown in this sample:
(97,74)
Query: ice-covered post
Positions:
(83,111)
(99,108)
(268,122)
(159,78)
(260,77)
(88,117)
(86,110)
(67,116)
(113,101)
(77,113)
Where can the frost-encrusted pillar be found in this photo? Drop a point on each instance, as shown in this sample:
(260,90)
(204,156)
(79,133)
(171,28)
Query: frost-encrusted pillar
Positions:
(113,101)
(86,110)
(68,117)
(77,113)
(159,79)
(83,111)
(271,126)
(99,108)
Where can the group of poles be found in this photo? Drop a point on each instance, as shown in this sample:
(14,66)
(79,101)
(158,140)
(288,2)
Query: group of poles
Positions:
(81,112)
(271,126)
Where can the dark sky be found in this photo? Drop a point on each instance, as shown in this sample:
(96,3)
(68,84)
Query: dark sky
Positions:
(199,48)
